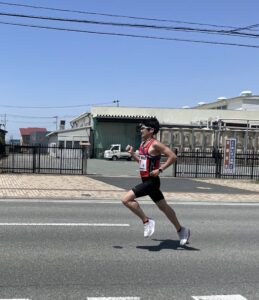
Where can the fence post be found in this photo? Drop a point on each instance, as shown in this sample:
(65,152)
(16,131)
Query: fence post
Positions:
(61,159)
(220,163)
(196,163)
(39,152)
(84,160)
(252,167)
(12,147)
(218,158)
(174,168)
(34,159)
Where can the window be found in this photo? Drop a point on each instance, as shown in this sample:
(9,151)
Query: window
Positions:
(166,137)
(76,144)
(176,138)
(69,144)
(61,144)
(116,148)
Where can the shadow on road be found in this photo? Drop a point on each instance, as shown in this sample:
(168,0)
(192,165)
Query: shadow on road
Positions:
(167,244)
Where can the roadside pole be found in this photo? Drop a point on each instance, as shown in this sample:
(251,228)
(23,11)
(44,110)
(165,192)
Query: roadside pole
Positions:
(85,146)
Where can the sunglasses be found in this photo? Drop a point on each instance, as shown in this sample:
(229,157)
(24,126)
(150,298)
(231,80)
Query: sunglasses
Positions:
(145,127)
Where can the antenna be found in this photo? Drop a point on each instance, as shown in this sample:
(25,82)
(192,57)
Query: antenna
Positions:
(117,101)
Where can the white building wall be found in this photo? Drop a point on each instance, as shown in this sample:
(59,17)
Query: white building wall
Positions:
(245,105)
(176,116)
(81,121)
(251,107)
(235,105)
(249,104)
(70,138)
(79,135)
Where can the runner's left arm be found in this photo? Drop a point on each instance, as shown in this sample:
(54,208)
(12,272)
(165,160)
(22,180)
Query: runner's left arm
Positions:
(171,157)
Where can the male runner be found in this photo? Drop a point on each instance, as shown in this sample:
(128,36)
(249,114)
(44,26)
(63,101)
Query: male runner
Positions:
(150,152)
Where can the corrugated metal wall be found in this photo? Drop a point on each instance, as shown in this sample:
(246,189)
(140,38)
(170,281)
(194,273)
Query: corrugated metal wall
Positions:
(107,133)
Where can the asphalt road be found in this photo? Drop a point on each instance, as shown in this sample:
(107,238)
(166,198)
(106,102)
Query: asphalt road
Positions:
(125,174)
(59,250)
(173,184)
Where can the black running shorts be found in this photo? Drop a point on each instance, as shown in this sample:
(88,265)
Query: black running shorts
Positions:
(149,187)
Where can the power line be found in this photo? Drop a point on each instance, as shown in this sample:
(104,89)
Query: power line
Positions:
(43,107)
(243,28)
(31,122)
(29,117)
(128,35)
(40,117)
(112,15)
(139,26)
(37,117)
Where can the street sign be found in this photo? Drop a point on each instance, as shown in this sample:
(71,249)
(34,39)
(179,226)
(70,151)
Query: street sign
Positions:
(230,155)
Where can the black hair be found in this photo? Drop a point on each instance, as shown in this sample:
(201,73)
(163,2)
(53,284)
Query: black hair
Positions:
(152,123)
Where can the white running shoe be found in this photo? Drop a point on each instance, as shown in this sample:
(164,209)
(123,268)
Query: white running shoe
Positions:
(149,228)
(184,236)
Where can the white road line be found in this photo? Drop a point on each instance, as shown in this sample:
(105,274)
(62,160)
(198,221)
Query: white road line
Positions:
(219,297)
(14,299)
(213,203)
(65,224)
(203,188)
(113,298)
(177,202)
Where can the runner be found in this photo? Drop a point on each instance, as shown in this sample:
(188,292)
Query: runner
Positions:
(149,156)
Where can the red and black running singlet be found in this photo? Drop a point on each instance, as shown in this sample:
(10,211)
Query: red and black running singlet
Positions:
(147,162)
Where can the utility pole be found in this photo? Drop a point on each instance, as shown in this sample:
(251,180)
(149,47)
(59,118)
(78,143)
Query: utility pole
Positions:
(3,121)
(56,122)
(117,101)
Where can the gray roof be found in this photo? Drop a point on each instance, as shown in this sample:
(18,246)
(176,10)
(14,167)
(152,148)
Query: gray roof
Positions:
(119,116)
(68,130)
(224,101)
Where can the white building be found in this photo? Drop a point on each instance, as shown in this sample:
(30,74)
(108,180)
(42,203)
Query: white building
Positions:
(245,102)
(201,127)
(80,132)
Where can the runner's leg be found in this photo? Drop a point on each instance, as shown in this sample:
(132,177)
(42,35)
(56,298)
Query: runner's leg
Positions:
(129,201)
(169,212)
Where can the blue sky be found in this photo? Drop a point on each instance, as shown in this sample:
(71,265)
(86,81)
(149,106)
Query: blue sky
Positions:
(42,67)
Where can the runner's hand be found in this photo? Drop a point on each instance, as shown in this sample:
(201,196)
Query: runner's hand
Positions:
(154,173)
(130,149)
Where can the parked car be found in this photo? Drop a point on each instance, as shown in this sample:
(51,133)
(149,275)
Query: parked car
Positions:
(115,152)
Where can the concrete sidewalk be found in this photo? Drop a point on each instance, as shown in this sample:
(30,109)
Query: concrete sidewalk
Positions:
(32,186)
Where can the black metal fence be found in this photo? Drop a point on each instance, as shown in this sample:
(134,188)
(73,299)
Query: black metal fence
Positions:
(42,159)
(54,160)
(199,164)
